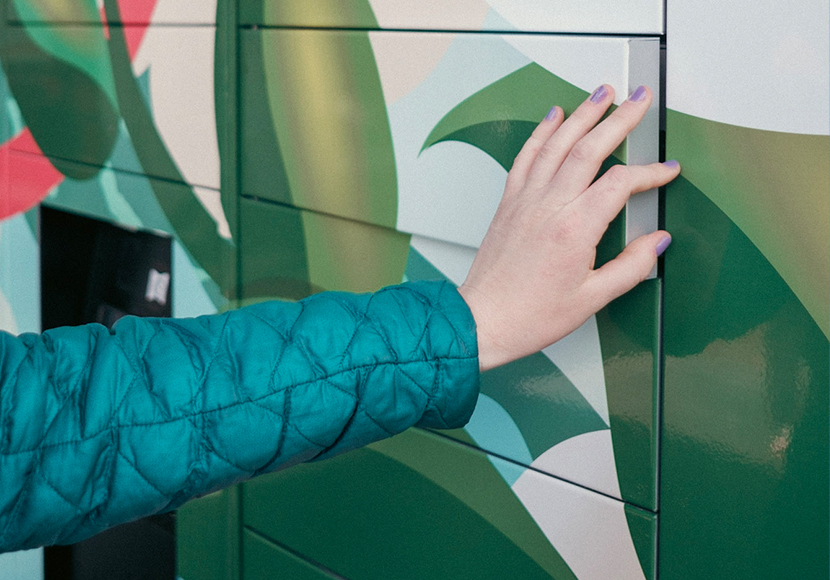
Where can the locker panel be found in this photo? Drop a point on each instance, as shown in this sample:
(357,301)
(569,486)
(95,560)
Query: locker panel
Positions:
(143,105)
(208,537)
(145,12)
(596,16)
(417,130)
(263,560)
(421,506)
(745,438)
(288,253)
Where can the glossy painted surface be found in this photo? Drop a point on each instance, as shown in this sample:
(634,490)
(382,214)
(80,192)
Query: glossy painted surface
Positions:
(131,12)
(436,509)
(744,471)
(93,122)
(596,16)
(417,130)
(265,560)
(154,115)
(346,137)
(208,537)
(745,444)
(289,253)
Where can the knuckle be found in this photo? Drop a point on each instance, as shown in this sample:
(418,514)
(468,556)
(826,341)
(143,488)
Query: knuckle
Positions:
(548,153)
(583,151)
(569,226)
(530,149)
(618,178)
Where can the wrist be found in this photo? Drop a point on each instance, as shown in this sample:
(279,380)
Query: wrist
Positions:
(489,351)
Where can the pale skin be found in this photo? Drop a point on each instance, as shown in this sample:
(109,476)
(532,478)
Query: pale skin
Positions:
(533,280)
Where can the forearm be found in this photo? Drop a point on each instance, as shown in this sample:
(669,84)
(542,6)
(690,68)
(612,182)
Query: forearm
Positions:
(99,428)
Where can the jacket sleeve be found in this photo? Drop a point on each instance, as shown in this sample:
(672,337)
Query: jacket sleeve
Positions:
(101,427)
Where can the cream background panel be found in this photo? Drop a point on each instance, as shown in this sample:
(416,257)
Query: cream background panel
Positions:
(590,531)
(735,63)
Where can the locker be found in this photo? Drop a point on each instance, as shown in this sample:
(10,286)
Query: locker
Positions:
(596,16)
(745,445)
(417,130)
(140,104)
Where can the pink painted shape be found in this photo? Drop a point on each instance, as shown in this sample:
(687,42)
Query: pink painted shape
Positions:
(136,14)
(103,14)
(25,179)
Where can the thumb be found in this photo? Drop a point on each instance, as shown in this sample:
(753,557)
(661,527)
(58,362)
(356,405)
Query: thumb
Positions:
(632,266)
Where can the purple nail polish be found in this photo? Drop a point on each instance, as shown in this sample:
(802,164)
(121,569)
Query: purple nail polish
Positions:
(662,245)
(599,95)
(551,114)
(671,164)
(638,95)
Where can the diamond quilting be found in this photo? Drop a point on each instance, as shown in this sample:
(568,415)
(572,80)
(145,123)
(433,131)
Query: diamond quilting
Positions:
(138,420)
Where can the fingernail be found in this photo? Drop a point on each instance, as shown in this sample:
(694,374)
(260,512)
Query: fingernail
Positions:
(598,95)
(551,114)
(638,95)
(662,245)
(671,164)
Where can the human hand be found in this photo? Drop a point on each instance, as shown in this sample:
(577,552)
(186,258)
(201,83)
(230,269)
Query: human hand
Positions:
(533,279)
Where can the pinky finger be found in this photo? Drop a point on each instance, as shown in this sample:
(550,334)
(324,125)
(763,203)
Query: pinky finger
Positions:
(524,160)
(632,266)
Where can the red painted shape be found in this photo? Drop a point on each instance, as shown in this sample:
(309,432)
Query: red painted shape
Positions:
(103,14)
(136,15)
(25,179)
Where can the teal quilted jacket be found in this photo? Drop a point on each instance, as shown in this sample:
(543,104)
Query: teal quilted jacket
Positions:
(101,427)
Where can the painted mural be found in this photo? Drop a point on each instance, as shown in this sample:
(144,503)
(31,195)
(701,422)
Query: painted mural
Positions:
(295,147)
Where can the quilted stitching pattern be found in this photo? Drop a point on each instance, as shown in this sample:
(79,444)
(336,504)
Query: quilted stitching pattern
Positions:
(99,428)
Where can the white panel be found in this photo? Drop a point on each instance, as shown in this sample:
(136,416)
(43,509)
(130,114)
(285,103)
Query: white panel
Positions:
(761,65)
(184,12)
(586,459)
(180,64)
(591,16)
(451,190)
(588,530)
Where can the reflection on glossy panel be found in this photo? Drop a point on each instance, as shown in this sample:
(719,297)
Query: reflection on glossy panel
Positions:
(744,466)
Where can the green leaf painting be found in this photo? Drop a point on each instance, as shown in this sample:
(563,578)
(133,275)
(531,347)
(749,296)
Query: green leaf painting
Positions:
(61,77)
(398,478)
(774,187)
(500,117)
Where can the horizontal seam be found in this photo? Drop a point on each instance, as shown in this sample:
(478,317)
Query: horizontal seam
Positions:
(223,408)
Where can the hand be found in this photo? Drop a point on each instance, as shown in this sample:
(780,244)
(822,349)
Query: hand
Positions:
(533,280)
